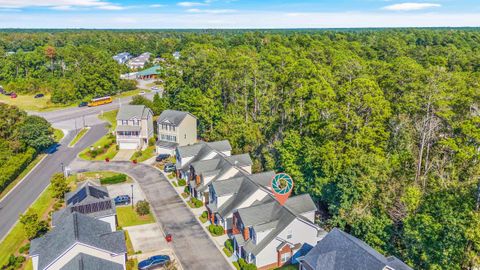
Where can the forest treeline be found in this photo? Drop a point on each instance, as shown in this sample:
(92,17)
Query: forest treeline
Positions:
(382,128)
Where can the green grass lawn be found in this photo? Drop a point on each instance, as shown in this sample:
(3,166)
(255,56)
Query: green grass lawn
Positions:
(16,238)
(128,217)
(58,135)
(132,93)
(149,152)
(110,152)
(288,267)
(128,242)
(79,136)
(110,117)
(27,102)
(103,174)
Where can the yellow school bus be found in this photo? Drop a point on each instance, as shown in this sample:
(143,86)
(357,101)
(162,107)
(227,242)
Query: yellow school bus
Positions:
(100,101)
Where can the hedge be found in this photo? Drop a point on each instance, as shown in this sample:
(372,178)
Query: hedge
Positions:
(15,166)
(119,178)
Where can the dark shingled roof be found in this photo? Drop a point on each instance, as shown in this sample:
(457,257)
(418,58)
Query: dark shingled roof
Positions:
(342,251)
(127,112)
(87,262)
(73,228)
(173,117)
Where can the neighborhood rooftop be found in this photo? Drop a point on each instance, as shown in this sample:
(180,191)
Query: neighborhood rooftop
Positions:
(342,251)
(172,117)
(76,228)
(195,149)
(127,112)
(87,262)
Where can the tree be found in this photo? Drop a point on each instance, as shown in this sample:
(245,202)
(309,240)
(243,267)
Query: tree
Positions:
(142,208)
(59,186)
(32,225)
(36,132)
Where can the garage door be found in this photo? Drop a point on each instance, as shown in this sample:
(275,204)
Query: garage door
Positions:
(128,145)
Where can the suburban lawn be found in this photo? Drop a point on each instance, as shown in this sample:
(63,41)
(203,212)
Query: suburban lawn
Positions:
(28,103)
(288,267)
(16,238)
(79,177)
(58,135)
(132,93)
(110,117)
(128,217)
(79,136)
(22,175)
(110,152)
(149,152)
(128,242)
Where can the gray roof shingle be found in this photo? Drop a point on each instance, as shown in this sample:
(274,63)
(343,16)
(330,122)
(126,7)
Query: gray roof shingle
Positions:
(73,228)
(87,262)
(173,117)
(127,112)
(341,251)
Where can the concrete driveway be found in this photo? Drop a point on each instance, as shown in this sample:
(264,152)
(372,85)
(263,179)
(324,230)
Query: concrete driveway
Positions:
(126,189)
(191,243)
(123,155)
(148,238)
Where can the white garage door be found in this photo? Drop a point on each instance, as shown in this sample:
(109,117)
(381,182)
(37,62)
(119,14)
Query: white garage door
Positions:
(128,145)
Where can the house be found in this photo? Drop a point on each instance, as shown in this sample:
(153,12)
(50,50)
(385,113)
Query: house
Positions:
(148,74)
(185,155)
(77,239)
(342,251)
(242,191)
(220,167)
(269,235)
(139,61)
(175,128)
(90,200)
(122,58)
(134,126)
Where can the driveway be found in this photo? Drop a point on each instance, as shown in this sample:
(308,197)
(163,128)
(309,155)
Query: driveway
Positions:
(123,155)
(126,189)
(191,244)
(148,238)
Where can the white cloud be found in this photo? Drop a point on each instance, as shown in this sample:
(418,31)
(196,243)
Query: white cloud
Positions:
(191,4)
(157,6)
(411,6)
(211,11)
(60,4)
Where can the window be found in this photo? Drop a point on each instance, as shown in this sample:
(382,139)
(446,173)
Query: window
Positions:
(124,122)
(285,257)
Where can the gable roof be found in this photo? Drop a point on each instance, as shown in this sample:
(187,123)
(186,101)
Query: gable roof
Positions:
(86,192)
(76,228)
(173,117)
(87,262)
(200,150)
(127,112)
(342,251)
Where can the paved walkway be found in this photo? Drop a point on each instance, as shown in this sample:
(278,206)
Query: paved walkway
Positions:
(191,244)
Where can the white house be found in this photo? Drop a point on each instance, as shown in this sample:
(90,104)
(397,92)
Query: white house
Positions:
(175,128)
(79,238)
(134,126)
(140,61)
(268,234)
(91,200)
(122,58)
(228,195)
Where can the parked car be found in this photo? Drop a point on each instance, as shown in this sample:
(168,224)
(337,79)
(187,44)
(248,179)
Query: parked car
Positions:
(122,200)
(83,104)
(154,261)
(162,157)
(154,88)
(169,167)
(39,96)
(13,95)
(142,93)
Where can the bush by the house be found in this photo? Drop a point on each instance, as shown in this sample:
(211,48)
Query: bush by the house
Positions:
(196,202)
(182,182)
(137,154)
(142,208)
(215,230)
(118,178)
(246,266)
(227,252)
(151,141)
(14,262)
(24,249)
(186,190)
(32,225)
(59,185)
(204,217)
(229,245)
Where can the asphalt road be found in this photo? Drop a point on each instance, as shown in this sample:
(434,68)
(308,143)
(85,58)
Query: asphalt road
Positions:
(27,191)
(194,248)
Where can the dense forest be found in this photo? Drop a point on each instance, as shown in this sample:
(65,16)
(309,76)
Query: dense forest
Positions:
(381,127)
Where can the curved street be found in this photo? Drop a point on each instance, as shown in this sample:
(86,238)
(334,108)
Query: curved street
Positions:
(191,243)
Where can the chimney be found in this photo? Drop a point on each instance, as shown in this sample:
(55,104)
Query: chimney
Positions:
(246,234)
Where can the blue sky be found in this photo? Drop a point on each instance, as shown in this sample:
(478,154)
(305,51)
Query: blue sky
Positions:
(237,13)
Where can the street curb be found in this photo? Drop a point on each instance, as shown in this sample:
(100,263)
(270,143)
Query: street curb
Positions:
(73,146)
(197,219)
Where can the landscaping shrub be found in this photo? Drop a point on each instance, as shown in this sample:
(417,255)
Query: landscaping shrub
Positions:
(119,178)
(204,214)
(14,165)
(229,245)
(24,249)
(151,141)
(236,265)
(182,182)
(186,190)
(137,154)
(142,208)
(215,230)
(227,252)
(14,262)
(246,266)
(196,202)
